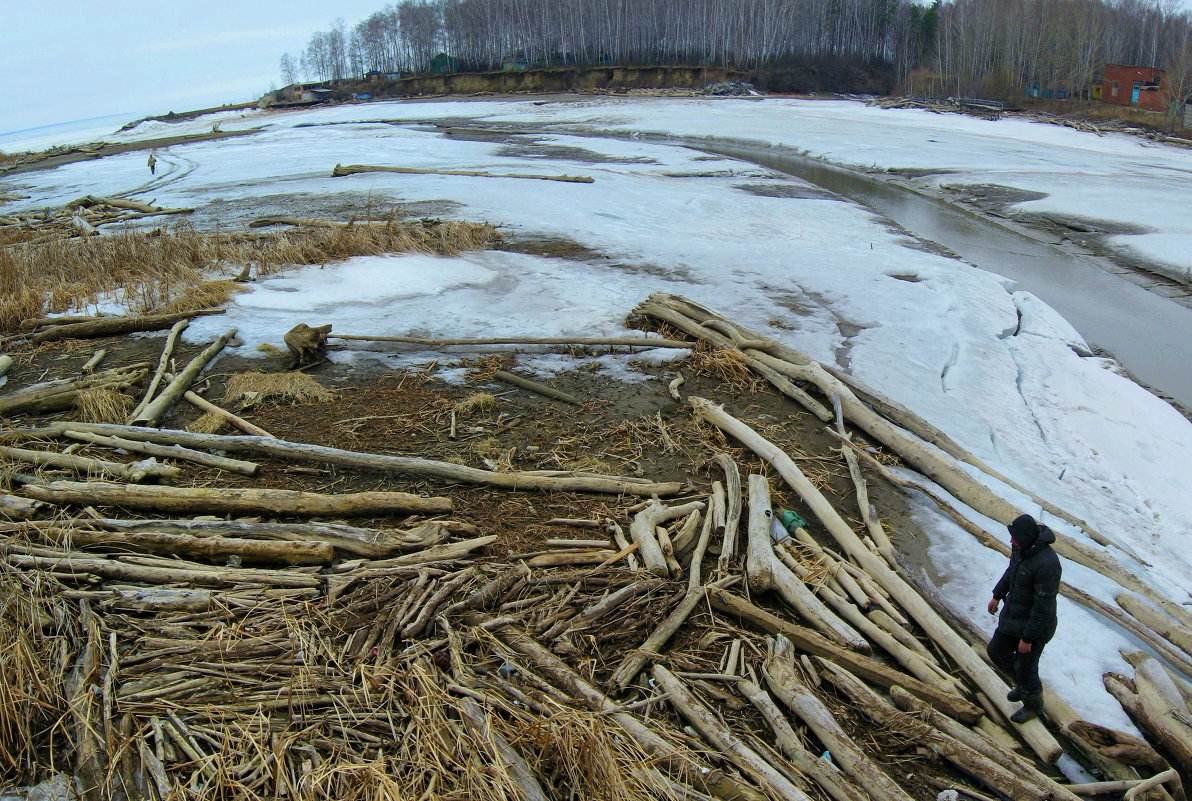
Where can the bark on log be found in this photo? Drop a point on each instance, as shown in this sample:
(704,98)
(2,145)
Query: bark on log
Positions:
(13,507)
(156,408)
(168,452)
(1147,709)
(536,386)
(234,500)
(871,670)
(960,651)
(766,572)
(783,681)
(351,169)
(251,551)
(721,738)
(147,470)
(110,326)
(401,465)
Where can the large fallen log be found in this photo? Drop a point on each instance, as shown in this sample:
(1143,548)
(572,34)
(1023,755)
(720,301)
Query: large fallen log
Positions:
(813,643)
(637,342)
(110,326)
(367,542)
(234,500)
(352,169)
(1156,704)
(213,547)
(401,465)
(54,396)
(178,573)
(932,624)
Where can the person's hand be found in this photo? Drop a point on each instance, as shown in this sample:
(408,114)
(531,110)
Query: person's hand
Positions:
(993,605)
(1024,647)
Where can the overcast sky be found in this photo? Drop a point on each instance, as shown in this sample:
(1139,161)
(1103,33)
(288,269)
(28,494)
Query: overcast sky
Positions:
(65,60)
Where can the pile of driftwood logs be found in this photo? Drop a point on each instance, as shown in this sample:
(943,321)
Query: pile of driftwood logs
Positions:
(696,648)
(83,217)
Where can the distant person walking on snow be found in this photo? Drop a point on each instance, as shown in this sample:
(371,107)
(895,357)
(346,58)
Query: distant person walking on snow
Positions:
(1029,587)
(152,164)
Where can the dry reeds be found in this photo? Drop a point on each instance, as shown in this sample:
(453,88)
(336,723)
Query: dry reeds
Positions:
(150,270)
(293,388)
(103,405)
(480,401)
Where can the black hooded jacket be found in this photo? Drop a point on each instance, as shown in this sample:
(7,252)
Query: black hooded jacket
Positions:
(1029,587)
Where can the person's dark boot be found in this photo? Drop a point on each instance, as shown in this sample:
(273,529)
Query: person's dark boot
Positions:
(1014,695)
(1032,705)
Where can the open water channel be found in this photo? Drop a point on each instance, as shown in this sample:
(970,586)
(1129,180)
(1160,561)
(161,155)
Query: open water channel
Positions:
(1149,334)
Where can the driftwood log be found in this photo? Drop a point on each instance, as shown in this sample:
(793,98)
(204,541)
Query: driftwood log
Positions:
(811,642)
(352,169)
(211,547)
(168,452)
(110,326)
(147,470)
(400,465)
(156,408)
(234,500)
(636,342)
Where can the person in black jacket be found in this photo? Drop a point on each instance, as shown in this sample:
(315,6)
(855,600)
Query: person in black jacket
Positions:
(1029,586)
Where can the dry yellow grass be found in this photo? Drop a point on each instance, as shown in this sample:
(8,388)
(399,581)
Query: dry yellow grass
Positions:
(103,405)
(481,401)
(206,295)
(208,423)
(153,269)
(293,388)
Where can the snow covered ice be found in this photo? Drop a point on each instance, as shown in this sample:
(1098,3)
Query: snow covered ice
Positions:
(994,367)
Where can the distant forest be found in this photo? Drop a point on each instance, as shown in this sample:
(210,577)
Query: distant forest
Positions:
(963,47)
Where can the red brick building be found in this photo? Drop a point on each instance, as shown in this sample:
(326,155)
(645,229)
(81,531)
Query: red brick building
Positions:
(1142,87)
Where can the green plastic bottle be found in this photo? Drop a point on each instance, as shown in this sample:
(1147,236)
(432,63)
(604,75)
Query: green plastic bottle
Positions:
(791,520)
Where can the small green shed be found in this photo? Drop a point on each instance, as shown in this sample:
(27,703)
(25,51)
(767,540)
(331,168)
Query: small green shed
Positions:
(443,63)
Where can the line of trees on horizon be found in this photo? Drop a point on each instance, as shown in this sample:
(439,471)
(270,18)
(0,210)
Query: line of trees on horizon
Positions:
(959,47)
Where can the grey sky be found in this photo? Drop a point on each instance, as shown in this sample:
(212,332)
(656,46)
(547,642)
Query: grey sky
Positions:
(63,60)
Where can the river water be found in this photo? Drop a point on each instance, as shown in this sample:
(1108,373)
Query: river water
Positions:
(1150,335)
